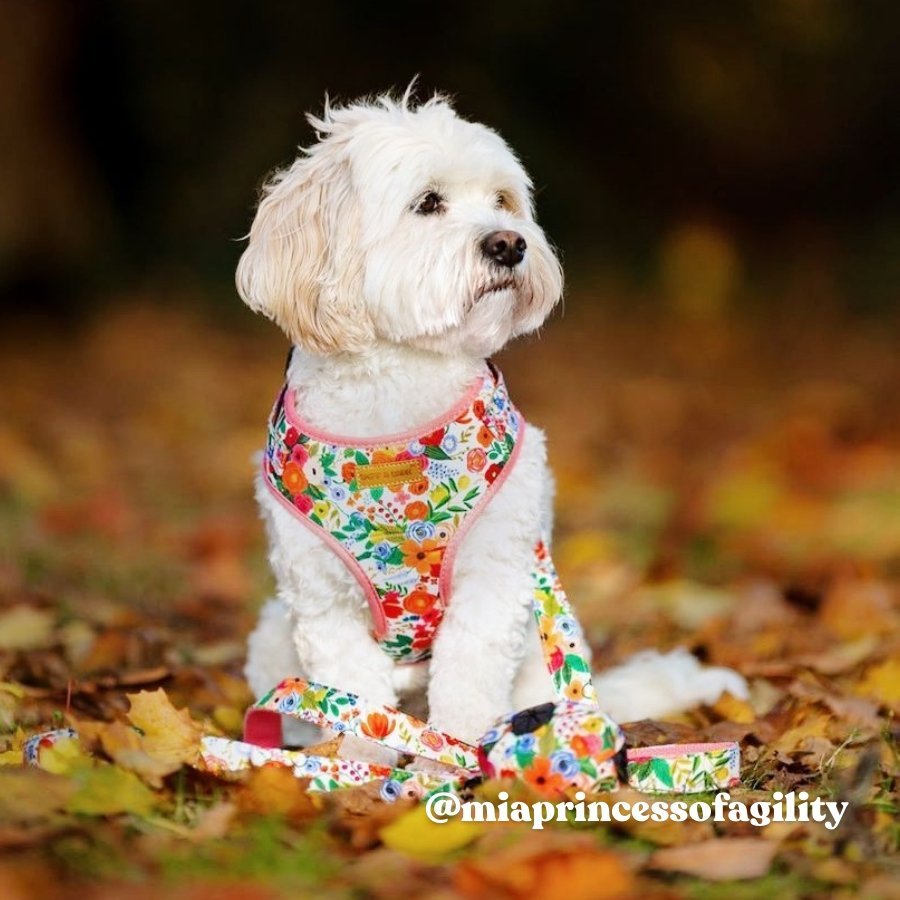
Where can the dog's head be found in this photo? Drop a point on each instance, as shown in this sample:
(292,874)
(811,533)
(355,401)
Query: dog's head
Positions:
(405,225)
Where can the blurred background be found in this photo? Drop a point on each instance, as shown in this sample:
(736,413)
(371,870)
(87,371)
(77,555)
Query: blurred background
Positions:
(755,141)
(721,180)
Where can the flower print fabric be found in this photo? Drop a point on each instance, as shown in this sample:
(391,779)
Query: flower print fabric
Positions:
(396,507)
(328,707)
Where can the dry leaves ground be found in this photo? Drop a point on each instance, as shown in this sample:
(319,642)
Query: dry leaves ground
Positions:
(734,488)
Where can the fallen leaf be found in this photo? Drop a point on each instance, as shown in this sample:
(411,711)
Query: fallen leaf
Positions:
(106,790)
(578,873)
(28,795)
(25,628)
(734,710)
(64,757)
(882,683)
(416,835)
(169,735)
(276,791)
(725,859)
(214,822)
(127,747)
(855,609)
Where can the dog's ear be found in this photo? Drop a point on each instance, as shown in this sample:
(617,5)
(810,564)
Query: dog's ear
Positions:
(299,268)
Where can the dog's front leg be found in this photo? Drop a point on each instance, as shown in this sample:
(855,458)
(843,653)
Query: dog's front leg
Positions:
(489,621)
(328,619)
(478,651)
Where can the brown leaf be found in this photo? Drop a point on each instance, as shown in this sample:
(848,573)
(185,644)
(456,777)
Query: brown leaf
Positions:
(726,859)
(274,791)
(29,795)
(576,873)
(856,609)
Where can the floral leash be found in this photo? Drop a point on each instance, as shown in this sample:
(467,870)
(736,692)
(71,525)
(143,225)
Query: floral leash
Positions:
(555,747)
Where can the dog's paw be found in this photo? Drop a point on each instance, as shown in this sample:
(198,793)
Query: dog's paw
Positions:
(654,684)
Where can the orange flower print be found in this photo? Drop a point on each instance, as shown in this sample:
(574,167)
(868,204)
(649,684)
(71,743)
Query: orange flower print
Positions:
(432,740)
(419,602)
(476,459)
(541,779)
(378,726)
(348,472)
(416,510)
(293,478)
(591,745)
(418,487)
(485,436)
(382,456)
(422,557)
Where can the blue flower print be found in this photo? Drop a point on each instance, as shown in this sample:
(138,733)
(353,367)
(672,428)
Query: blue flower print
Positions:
(420,530)
(526,743)
(391,791)
(382,550)
(564,762)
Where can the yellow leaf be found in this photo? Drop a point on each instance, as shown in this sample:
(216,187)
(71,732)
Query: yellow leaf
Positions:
(416,835)
(228,718)
(170,735)
(125,746)
(734,710)
(108,790)
(25,628)
(809,735)
(882,683)
(64,757)
(27,795)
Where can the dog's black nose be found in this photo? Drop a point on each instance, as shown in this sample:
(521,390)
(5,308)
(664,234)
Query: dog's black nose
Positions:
(504,247)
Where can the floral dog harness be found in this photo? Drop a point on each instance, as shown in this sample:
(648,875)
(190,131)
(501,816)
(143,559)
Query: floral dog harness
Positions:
(395,509)
(393,514)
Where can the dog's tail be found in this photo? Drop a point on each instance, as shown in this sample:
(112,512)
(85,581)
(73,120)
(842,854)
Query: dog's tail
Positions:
(653,684)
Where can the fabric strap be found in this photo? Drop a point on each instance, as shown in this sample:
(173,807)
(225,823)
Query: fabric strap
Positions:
(669,768)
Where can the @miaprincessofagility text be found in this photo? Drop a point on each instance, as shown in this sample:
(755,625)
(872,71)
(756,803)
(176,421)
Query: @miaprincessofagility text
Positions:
(793,807)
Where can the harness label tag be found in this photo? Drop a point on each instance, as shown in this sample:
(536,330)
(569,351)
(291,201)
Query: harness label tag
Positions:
(389,474)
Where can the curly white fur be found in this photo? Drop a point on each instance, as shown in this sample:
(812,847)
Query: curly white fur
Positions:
(392,313)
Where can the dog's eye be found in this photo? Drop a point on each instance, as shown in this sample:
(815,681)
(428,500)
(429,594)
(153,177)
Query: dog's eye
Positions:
(432,202)
(502,201)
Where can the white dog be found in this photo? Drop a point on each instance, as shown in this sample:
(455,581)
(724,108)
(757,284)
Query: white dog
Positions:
(397,253)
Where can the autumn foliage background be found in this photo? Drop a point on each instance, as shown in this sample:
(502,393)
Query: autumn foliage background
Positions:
(719,393)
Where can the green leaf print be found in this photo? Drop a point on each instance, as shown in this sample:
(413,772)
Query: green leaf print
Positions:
(660,769)
(436,453)
(577,663)
(395,558)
